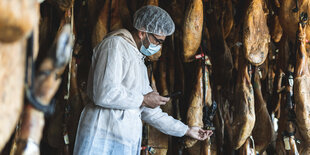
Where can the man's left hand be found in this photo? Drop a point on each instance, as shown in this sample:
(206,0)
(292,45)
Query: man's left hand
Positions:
(198,133)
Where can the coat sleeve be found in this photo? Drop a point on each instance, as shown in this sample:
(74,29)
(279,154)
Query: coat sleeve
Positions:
(163,122)
(109,69)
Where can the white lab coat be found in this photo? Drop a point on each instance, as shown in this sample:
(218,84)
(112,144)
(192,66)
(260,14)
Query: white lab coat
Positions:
(116,84)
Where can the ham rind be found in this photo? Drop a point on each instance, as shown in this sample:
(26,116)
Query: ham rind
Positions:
(17,19)
(276,29)
(227,17)
(62,5)
(209,147)
(220,55)
(274,25)
(302,98)
(108,20)
(243,108)
(12,73)
(125,15)
(256,36)
(263,131)
(206,147)
(45,85)
(100,29)
(301,90)
(195,110)
(192,29)
(194,113)
(116,22)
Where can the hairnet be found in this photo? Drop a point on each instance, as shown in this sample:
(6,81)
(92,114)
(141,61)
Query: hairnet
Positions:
(153,19)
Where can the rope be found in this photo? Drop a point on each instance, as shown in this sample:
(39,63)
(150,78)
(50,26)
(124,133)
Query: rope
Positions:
(66,97)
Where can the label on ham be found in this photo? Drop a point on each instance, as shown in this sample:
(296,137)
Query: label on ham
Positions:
(287,143)
(66,138)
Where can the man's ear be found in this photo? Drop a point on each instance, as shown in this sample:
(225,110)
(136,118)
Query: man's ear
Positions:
(141,34)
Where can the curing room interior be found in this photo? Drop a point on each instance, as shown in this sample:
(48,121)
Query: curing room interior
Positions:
(154,77)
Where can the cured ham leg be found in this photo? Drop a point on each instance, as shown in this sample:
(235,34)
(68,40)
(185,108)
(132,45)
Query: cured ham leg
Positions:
(100,28)
(256,36)
(243,108)
(227,18)
(209,147)
(17,20)
(108,20)
(274,25)
(116,22)
(276,29)
(192,29)
(125,15)
(301,89)
(12,73)
(220,56)
(195,113)
(195,110)
(45,86)
(177,12)
(263,131)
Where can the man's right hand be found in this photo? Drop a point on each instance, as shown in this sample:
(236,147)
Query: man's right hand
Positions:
(153,100)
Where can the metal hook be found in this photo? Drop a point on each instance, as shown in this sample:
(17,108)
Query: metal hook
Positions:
(303,18)
(296,8)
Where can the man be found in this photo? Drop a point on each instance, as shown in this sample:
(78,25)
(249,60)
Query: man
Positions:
(119,88)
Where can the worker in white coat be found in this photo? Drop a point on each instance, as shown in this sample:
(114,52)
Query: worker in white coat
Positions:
(119,88)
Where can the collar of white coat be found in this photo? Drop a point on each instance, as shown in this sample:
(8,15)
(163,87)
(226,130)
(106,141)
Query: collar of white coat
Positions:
(125,34)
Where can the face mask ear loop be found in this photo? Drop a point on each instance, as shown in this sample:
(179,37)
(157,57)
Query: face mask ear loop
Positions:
(147,40)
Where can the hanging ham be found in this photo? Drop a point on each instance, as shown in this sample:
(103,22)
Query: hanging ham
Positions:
(243,108)
(301,89)
(263,131)
(256,36)
(192,29)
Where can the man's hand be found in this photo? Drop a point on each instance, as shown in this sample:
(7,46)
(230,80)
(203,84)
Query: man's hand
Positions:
(153,100)
(197,133)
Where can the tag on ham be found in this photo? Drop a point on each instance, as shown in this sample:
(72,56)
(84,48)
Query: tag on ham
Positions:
(287,143)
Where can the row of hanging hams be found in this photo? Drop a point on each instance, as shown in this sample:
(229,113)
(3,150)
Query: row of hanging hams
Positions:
(246,115)
(257,72)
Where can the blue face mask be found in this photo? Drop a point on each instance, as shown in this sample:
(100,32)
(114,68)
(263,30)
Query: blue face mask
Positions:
(152,49)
